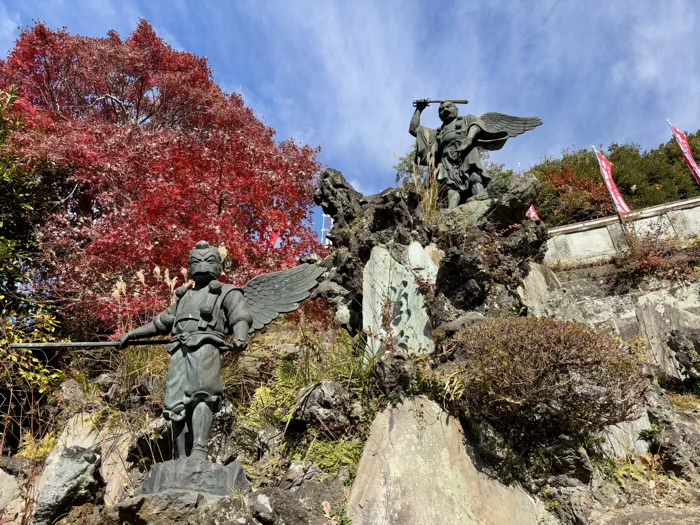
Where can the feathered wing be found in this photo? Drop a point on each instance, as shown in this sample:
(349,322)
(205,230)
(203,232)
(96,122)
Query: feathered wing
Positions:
(277,293)
(497,123)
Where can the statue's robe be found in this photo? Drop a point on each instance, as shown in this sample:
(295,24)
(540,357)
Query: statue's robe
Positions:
(447,149)
(198,330)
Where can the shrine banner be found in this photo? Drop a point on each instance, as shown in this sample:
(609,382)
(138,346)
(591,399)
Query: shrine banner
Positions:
(682,141)
(606,172)
(531,212)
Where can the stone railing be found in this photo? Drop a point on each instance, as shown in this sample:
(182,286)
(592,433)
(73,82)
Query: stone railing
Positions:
(600,240)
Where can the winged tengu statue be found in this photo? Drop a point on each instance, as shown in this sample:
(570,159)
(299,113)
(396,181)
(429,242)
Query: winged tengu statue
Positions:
(452,148)
(200,322)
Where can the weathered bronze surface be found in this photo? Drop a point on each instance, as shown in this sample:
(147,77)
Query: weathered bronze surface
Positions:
(200,323)
(452,150)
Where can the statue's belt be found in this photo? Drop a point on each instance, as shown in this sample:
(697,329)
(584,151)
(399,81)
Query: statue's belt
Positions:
(197,339)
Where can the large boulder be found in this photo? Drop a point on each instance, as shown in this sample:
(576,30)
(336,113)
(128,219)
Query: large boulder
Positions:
(393,307)
(360,223)
(71,478)
(415,470)
(504,203)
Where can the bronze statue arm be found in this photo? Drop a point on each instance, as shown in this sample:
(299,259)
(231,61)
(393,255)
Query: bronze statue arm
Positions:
(415,120)
(147,330)
(240,334)
(473,131)
(239,317)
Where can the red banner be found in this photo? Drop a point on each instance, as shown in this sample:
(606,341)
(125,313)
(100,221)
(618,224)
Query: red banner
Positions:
(531,212)
(682,141)
(606,172)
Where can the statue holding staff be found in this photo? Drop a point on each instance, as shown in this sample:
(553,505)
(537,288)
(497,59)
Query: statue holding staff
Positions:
(452,149)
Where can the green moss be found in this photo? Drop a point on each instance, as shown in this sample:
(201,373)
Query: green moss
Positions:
(685,401)
(331,456)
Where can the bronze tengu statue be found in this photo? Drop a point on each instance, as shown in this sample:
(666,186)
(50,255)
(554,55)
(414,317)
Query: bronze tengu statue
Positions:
(199,322)
(452,150)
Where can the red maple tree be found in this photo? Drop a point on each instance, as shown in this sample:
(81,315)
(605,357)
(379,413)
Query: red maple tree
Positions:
(154,157)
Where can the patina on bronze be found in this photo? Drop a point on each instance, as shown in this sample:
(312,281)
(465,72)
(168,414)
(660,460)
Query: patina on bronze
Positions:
(452,149)
(205,321)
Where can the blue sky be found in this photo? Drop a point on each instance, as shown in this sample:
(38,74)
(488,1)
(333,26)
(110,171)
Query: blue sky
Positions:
(342,75)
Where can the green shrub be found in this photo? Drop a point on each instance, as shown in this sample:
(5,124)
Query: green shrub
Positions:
(536,379)
(655,256)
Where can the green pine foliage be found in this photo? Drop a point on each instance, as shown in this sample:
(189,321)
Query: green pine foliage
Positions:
(573,190)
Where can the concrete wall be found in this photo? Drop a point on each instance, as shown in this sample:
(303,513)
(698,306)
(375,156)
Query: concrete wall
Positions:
(590,242)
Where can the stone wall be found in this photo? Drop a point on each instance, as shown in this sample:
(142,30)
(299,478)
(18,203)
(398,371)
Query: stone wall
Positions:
(590,242)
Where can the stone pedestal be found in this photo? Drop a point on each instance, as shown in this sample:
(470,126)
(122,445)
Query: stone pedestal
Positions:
(196,476)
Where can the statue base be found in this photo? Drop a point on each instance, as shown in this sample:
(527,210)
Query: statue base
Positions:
(196,476)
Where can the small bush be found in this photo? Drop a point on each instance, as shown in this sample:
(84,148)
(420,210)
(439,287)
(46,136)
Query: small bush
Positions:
(537,379)
(656,256)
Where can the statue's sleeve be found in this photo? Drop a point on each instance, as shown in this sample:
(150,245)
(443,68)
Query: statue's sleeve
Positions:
(238,315)
(426,146)
(164,320)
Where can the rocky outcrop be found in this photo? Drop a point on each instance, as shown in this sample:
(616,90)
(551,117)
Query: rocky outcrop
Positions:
(415,469)
(394,314)
(71,478)
(325,406)
(685,343)
(360,223)
(504,203)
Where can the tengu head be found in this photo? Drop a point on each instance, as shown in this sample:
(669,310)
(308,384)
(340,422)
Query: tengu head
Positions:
(205,263)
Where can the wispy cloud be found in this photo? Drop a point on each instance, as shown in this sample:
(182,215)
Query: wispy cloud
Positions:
(343,75)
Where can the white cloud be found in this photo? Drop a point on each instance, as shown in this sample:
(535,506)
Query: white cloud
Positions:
(343,75)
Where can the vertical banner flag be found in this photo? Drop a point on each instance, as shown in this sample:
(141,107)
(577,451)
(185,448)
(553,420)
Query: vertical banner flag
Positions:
(531,212)
(606,172)
(682,141)
(326,226)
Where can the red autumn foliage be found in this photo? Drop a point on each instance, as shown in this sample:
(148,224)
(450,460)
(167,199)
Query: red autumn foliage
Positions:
(577,197)
(155,157)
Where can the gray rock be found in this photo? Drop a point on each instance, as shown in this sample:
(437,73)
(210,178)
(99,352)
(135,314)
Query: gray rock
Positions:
(393,308)
(537,287)
(262,509)
(326,405)
(420,262)
(504,203)
(338,198)
(196,476)
(463,277)
(623,440)
(650,515)
(9,489)
(71,477)
(501,302)
(459,324)
(686,345)
(415,469)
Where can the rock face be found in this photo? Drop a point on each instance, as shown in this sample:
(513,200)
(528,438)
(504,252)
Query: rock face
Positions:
(393,307)
(326,405)
(9,490)
(111,443)
(360,223)
(71,477)
(505,202)
(415,470)
(652,310)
